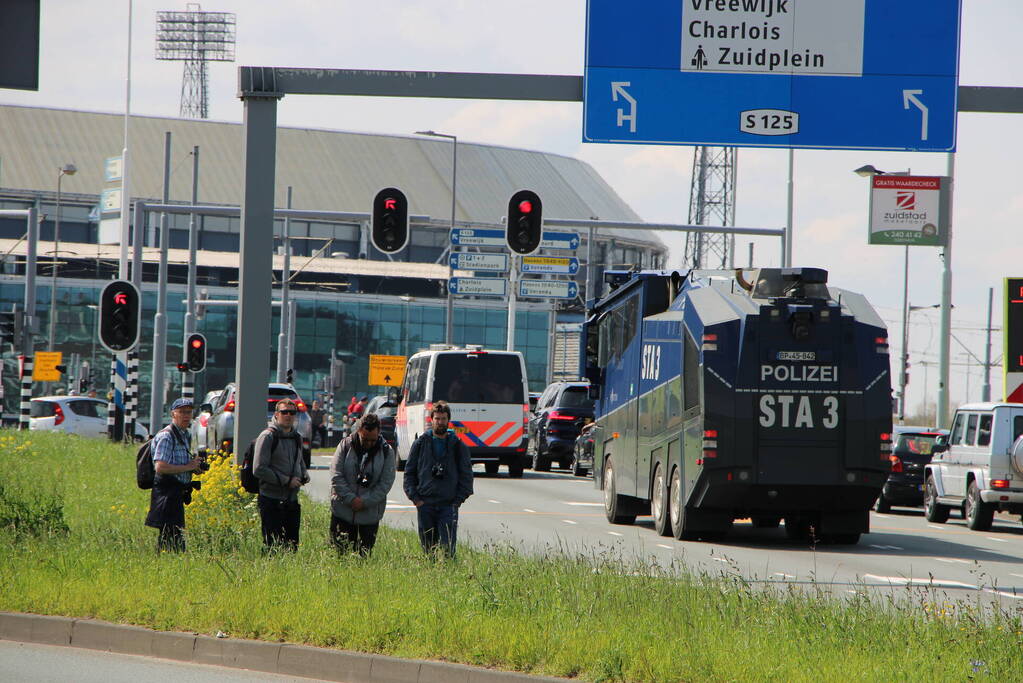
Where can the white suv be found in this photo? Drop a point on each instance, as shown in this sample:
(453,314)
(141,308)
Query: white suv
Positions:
(972,468)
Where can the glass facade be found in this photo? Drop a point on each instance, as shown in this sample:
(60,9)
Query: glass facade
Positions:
(353,325)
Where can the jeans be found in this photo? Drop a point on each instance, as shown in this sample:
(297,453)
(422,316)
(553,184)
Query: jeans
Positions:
(438,526)
(348,537)
(280,521)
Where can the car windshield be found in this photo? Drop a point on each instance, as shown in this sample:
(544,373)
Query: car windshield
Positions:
(918,444)
(478,378)
(576,397)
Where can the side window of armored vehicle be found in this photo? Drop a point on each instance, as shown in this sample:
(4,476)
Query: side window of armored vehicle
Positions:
(630,325)
(984,430)
(957,430)
(1017,427)
(971,430)
(690,373)
(673,405)
(606,337)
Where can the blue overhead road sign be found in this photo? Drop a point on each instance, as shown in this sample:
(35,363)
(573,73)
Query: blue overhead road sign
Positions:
(560,240)
(477,237)
(470,261)
(478,286)
(832,74)
(548,264)
(548,289)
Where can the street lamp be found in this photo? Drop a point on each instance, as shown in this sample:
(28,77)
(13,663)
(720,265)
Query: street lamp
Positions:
(67,169)
(869,171)
(449,327)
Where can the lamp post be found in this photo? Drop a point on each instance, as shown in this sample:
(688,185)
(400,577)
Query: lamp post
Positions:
(449,326)
(67,169)
(867,172)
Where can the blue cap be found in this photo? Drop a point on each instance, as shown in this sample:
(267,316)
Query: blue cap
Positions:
(181,403)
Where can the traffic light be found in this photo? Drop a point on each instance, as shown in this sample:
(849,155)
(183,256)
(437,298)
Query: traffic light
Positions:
(83,385)
(195,352)
(390,220)
(10,328)
(120,314)
(525,222)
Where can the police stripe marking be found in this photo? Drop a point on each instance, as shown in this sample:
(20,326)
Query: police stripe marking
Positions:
(787,390)
(723,380)
(876,380)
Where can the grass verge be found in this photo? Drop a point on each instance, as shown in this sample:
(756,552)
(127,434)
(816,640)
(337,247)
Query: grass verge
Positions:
(75,545)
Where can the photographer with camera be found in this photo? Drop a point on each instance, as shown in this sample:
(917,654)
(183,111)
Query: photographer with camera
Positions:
(172,485)
(278,464)
(438,479)
(361,474)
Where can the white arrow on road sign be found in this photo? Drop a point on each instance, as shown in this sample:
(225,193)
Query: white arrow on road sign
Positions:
(548,289)
(909,96)
(478,286)
(497,263)
(549,264)
(560,240)
(618,89)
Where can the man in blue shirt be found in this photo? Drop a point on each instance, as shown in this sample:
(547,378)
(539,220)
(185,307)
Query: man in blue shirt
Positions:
(438,479)
(172,486)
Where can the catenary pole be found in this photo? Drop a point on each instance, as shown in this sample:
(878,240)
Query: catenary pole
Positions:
(945,334)
(188,378)
(283,336)
(160,319)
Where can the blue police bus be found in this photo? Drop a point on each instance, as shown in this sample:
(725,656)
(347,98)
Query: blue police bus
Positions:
(720,395)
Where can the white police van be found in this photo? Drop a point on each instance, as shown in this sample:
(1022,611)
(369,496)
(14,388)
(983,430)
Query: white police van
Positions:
(488,395)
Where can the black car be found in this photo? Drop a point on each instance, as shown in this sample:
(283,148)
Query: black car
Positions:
(911,451)
(561,412)
(582,454)
(386,410)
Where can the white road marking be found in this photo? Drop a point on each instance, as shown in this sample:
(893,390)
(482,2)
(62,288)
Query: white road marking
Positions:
(951,560)
(400,507)
(528,510)
(495,502)
(992,538)
(1004,594)
(569,521)
(936,526)
(1018,576)
(661,545)
(615,533)
(886,547)
(567,502)
(721,559)
(784,575)
(925,582)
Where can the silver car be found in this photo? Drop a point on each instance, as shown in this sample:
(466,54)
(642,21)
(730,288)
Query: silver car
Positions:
(201,419)
(220,425)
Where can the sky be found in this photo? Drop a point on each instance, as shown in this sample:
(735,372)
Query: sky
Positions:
(83,63)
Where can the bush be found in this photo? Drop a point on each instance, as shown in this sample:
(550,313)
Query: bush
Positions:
(29,504)
(222,514)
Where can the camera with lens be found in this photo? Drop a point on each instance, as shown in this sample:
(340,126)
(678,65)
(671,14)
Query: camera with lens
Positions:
(362,479)
(203,465)
(438,471)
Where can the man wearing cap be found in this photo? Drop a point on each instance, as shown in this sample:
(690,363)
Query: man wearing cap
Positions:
(172,486)
(278,464)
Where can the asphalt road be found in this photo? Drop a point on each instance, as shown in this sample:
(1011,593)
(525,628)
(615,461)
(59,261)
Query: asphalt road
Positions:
(555,510)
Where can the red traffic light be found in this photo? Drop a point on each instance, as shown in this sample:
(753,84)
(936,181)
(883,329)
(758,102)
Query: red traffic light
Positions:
(197,343)
(526,206)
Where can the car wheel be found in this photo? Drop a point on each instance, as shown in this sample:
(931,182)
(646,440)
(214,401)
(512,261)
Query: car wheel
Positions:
(933,510)
(881,504)
(540,463)
(491,467)
(676,509)
(659,503)
(515,471)
(613,503)
(576,470)
(979,515)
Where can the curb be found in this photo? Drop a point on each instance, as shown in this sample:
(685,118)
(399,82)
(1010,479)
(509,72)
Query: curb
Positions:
(253,655)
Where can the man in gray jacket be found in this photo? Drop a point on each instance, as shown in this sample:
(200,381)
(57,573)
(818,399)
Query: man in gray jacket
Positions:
(361,474)
(278,464)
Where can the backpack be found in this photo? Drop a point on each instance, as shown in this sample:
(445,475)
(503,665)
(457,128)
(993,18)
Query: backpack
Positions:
(249,481)
(145,469)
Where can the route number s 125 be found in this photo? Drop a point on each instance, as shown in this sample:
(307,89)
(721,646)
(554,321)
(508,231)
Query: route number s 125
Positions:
(769,122)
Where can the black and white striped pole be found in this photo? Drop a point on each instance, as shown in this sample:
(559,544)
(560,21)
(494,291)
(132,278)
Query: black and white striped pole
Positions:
(26,392)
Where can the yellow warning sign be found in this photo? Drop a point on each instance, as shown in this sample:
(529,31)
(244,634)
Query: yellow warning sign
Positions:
(45,368)
(386,371)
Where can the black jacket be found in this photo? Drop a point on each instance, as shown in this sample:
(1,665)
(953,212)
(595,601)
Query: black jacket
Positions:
(451,489)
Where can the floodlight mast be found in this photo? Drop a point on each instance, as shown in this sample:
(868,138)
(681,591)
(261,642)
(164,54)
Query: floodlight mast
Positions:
(195,37)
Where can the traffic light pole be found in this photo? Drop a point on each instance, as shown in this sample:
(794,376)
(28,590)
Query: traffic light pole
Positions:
(160,320)
(25,346)
(284,337)
(513,285)
(187,379)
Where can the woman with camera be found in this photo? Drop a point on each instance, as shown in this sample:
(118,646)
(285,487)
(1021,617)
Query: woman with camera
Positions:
(361,475)
(438,479)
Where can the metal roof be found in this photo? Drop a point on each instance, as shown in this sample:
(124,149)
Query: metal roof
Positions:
(329,170)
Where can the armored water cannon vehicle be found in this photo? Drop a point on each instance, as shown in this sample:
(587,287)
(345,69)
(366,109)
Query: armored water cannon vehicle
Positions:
(725,395)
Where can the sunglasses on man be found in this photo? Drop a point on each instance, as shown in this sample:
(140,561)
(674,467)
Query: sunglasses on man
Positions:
(287,412)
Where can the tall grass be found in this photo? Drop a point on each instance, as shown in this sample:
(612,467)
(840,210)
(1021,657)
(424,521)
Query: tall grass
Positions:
(602,618)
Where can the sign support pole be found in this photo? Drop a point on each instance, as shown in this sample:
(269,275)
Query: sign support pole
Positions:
(945,333)
(513,284)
